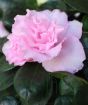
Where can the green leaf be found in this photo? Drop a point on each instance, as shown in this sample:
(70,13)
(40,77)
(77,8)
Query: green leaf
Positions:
(6,79)
(70,85)
(31,4)
(85,70)
(80,5)
(85,23)
(54,4)
(81,97)
(4,65)
(63,100)
(11,8)
(2,41)
(71,91)
(84,41)
(1,14)
(33,84)
(9,101)
(60,74)
(7,92)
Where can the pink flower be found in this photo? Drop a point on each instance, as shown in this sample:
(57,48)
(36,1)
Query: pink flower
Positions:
(46,37)
(3,31)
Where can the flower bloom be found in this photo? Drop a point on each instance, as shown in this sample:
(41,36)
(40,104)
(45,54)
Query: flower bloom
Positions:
(3,31)
(46,37)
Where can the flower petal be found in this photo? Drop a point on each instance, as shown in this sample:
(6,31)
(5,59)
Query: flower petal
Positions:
(70,59)
(55,51)
(41,57)
(3,31)
(75,29)
(60,17)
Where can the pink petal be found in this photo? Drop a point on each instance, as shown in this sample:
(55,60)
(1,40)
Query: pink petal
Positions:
(60,17)
(55,51)
(70,59)
(75,29)
(41,57)
(3,31)
(46,12)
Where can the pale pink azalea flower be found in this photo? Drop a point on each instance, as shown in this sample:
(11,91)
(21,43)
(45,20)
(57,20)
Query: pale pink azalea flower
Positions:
(3,31)
(46,37)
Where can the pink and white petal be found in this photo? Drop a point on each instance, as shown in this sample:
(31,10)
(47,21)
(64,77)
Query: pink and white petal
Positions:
(3,31)
(75,29)
(46,12)
(70,58)
(37,57)
(11,55)
(30,12)
(55,51)
(41,57)
(18,26)
(60,17)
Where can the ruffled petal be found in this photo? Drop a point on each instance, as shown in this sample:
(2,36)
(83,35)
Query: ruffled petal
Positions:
(60,17)
(70,59)
(75,29)
(3,31)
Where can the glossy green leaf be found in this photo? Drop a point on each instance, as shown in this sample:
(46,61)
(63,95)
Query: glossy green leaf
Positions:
(11,8)
(6,79)
(84,41)
(54,4)
(1,14)
(70,88)
(8,100)
(7,92)
(80,5)
(63,100)
(2,41)
(33,84)
(31,4)
(60,74)
(85,70)
(70,85)
(4,65)
(81,97)
(85,23)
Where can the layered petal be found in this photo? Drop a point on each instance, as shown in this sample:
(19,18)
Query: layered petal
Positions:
(75,29)
(70,58)
(41,57)
(60,17)
(3,31)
